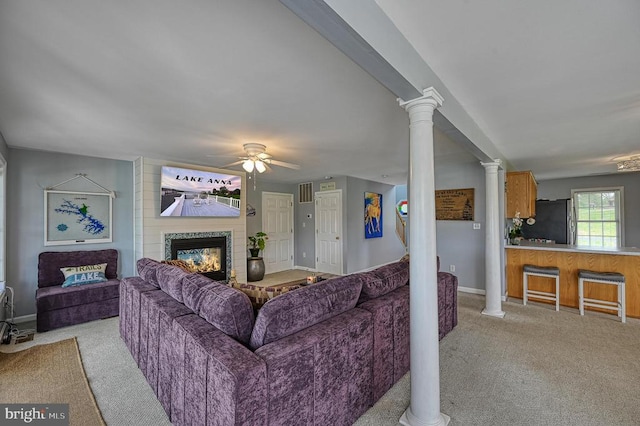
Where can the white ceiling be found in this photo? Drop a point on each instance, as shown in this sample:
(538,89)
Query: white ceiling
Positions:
(555,87)
(554,84)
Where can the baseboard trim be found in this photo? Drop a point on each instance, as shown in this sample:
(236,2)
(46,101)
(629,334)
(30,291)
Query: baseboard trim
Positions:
(471,290)
(24,318)
(477,291)
(304,268)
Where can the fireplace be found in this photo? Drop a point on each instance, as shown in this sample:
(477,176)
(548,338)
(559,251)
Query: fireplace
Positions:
(208,253)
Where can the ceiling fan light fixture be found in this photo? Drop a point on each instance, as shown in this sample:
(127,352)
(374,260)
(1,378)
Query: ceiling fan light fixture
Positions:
(248,165)
(260,166)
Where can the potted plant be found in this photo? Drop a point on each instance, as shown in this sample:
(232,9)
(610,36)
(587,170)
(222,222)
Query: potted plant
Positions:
(515,232)
(257,243)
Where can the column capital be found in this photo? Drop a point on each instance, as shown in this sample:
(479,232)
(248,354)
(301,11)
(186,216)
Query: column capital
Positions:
(489,165)
(430,96)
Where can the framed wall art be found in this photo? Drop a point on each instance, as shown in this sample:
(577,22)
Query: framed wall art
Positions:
(455,204)
(77,217)
(372,215)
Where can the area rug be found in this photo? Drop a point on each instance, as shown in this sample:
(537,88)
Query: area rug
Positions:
(50,374)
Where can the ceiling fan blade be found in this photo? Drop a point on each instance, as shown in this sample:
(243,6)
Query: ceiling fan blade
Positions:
(284,164)
(263,156)
(224,155)
(233,164)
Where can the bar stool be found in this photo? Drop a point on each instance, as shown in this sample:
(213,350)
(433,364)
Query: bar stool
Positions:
(541,271)
(610,278)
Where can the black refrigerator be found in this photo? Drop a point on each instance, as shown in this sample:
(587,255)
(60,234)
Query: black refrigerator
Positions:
(554,221)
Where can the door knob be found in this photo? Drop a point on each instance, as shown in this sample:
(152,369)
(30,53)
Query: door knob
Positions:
(337,238)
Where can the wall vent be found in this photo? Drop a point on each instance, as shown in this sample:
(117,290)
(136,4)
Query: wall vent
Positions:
(305,192)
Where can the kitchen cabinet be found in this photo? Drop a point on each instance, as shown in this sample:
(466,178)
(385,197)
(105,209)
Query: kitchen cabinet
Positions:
(522,190)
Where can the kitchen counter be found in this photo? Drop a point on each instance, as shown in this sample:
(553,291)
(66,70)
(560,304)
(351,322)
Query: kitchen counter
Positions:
(569,259)
(529,245)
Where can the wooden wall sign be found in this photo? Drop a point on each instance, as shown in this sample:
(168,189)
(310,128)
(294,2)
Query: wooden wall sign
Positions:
(454,204)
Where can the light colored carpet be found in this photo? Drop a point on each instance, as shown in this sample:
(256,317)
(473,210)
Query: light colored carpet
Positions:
(534,367)
(49,374)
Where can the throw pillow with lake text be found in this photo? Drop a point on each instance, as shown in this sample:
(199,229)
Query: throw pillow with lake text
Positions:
(81,275)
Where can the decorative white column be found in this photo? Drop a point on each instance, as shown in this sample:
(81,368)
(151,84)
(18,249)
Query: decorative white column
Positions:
(494,231)
(425,356)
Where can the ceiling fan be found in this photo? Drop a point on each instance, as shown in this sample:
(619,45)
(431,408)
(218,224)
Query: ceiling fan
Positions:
(257,159)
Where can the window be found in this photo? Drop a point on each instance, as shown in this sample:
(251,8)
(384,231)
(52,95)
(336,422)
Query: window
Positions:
(598,216)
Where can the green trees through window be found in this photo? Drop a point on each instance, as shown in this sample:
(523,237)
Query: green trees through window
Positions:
(598,216)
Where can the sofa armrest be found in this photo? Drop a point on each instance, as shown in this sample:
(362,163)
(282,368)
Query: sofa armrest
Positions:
(447,303)
(215,379)
(321,375)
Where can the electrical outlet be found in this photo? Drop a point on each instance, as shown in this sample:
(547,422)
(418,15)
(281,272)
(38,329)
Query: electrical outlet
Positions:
(304,254)
(452,268)
(476,226)
(304,224)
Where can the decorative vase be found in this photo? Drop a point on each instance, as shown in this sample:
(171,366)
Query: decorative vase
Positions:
(255,269)
(254,252)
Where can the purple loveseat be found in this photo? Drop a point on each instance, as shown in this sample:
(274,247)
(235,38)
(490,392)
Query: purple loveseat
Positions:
(60,307)
(321,354)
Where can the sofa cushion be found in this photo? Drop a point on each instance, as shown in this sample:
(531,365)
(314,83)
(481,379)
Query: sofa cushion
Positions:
(50,262)
(383,280)
(220,305)
(323,374)
(391,352)
(214,379)
(147,270)
(170,280)
(297,310)
(190,287)
(50,298)
(157,312)
(81,275)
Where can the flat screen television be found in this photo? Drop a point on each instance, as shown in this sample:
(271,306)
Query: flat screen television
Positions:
(198,193)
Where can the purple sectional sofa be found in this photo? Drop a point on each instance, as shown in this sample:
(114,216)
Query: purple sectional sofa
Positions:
(59,306)
(322,354)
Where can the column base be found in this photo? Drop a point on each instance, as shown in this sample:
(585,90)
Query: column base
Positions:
(497,314)
(409,419)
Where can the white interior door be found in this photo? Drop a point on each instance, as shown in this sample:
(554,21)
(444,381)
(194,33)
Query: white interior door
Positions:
(277,222)
(329,231)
